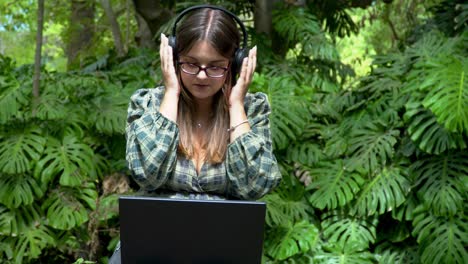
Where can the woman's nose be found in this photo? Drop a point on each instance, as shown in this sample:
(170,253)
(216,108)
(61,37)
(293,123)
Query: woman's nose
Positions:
(202,74)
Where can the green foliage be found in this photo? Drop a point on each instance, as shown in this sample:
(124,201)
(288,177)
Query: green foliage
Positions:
(442,238)
(288,241)
(335,185)
(385,191)
(385,155)
(439,76)
(349,234)
(55,155)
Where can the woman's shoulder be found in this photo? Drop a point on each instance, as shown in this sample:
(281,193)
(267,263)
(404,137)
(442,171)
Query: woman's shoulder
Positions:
(256,102)
(142,93)
(145,97)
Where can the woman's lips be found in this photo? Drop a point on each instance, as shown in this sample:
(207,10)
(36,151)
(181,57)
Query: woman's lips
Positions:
(201,85)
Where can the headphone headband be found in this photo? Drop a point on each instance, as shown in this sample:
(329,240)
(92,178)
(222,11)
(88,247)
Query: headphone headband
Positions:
(239,22)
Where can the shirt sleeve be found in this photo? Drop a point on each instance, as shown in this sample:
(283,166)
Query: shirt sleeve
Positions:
(251,167)
(152,140)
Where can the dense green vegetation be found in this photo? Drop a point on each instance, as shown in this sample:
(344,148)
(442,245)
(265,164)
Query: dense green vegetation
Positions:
(374,164)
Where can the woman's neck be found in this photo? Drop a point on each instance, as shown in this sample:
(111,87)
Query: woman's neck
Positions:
(203,109)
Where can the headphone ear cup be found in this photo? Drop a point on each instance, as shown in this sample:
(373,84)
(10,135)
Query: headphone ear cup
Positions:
(239,56)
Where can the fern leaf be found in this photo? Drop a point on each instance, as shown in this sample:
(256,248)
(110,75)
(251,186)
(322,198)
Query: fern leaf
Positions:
(441,239)
(19,148)
(333,184)
(442,182)
(385,192)
(65,208)
(428,134)
(19,190)
(69,159)
(284,243)
(372,147)
(349,234)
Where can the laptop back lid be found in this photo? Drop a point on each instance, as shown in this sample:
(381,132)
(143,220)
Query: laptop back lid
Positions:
(160,230)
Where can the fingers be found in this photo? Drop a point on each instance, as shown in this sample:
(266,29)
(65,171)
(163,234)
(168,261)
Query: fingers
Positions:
(166,54)
(248,66)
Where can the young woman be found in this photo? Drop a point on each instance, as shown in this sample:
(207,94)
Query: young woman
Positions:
(202,136)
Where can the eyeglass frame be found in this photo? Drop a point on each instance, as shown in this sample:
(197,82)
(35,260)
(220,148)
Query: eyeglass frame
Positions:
(201,68)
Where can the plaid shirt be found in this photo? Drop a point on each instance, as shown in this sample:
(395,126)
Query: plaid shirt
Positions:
(249,171)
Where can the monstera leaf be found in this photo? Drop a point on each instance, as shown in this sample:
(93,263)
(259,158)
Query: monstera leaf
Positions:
(349,234)
(283,212)
(372,146)
(386,191)
(19,148)
(306,153)
(442,239)
(289,114)
(13,96)
(334,185)
(18,190)
(441,182)
(31,242)
(297,25)
(335,256)
(69,159)
(390,253)
(284,242)
(68,207)
(439,74)
(110,110)
(429,135)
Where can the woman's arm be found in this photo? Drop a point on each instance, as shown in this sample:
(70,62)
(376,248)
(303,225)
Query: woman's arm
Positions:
(251,166)
(152,139)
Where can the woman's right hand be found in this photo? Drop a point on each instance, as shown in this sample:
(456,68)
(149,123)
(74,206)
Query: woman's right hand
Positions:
(171,82)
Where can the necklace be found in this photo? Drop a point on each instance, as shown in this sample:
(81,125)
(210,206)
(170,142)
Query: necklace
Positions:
(199,125)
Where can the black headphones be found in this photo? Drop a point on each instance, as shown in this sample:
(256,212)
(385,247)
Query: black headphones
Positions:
(239,54)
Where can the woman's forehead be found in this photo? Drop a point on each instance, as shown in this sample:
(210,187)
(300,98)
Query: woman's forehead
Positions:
(203,51)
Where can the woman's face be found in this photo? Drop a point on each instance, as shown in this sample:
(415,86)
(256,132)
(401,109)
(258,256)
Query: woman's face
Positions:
(200,85)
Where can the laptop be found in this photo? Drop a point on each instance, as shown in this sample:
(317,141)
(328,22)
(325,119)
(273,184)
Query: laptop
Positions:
(172,231)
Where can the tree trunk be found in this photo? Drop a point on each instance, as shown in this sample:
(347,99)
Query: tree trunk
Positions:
(263,24)
(150,15)
(262,16)
(81,31)
(37,59)
(114,27)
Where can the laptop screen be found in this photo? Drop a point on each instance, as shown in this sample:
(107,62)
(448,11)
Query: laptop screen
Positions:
(161,230)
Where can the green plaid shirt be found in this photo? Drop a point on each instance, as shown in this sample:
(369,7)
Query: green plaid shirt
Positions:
(249,171)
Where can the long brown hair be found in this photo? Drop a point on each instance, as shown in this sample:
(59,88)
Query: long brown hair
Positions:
(219,29)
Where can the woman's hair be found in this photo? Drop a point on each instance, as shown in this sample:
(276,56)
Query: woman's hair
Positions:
(220,30)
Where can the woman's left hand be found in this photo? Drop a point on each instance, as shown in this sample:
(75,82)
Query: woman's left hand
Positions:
(245,78)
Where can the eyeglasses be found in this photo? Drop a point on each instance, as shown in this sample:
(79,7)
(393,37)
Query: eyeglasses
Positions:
(193,69)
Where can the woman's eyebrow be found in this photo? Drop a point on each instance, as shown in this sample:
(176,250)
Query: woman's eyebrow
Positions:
(213,61)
